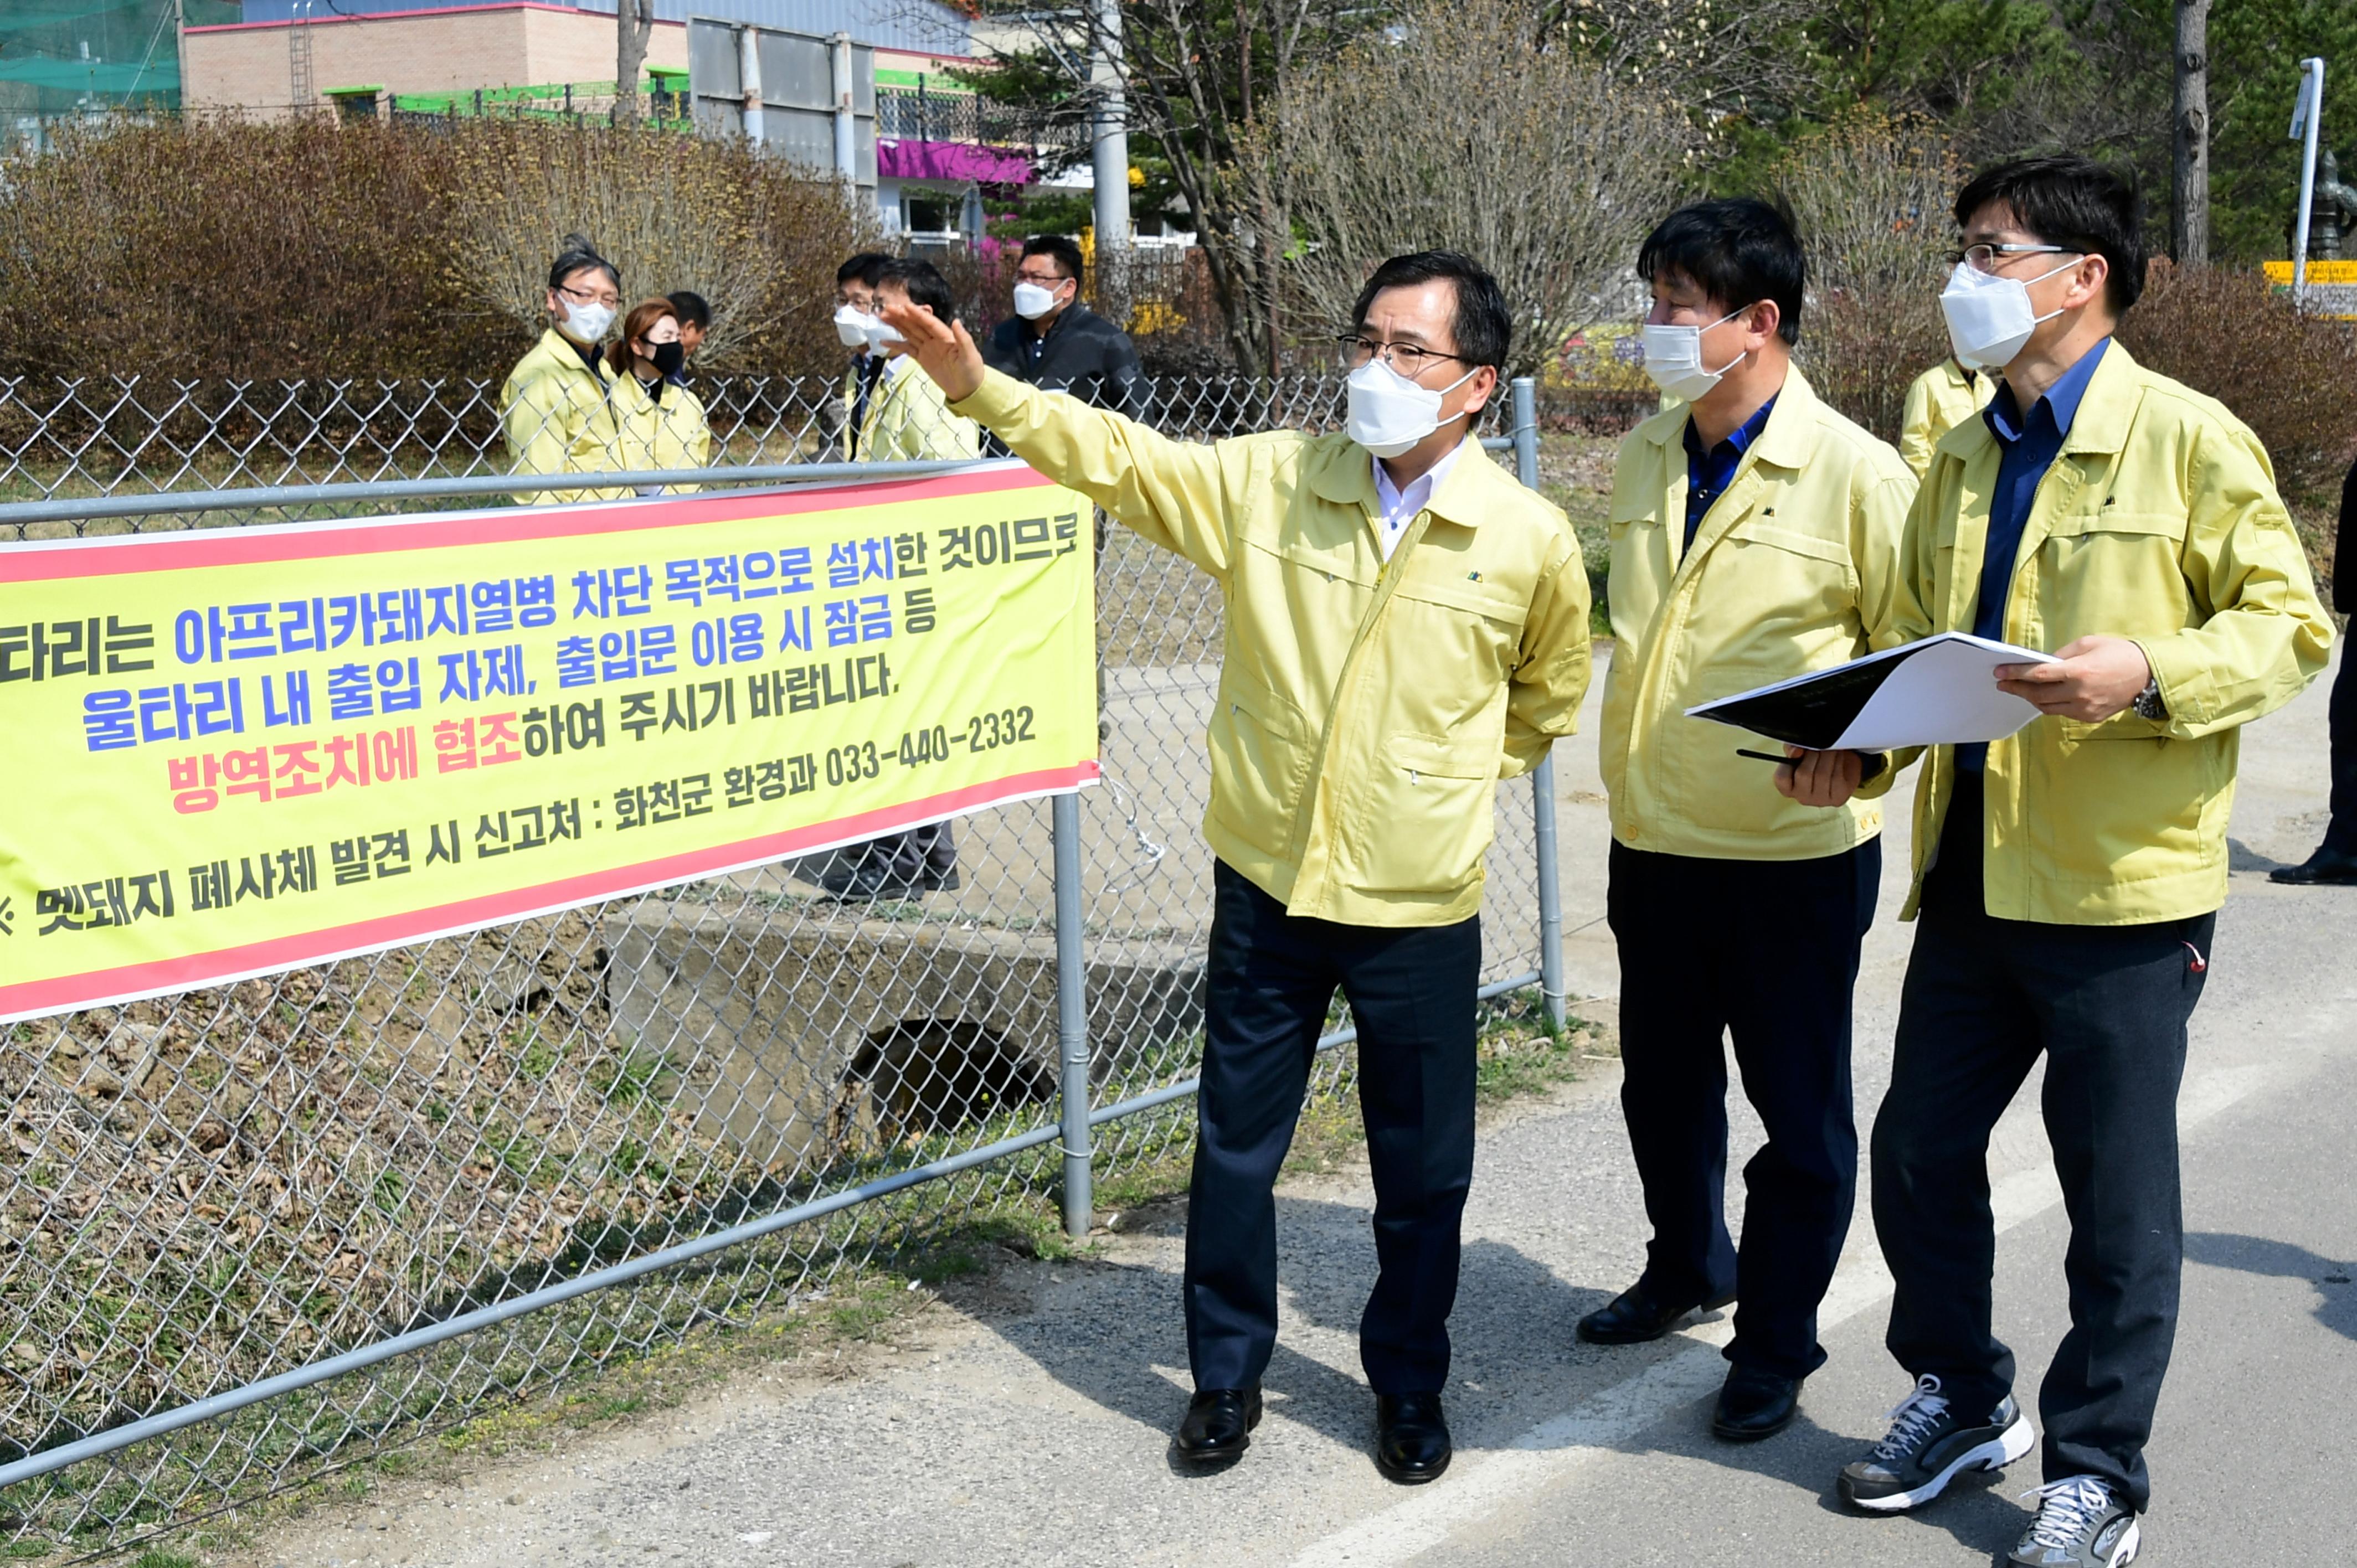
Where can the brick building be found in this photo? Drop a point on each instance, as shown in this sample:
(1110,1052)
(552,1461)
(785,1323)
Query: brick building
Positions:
(937,146)
(361,62)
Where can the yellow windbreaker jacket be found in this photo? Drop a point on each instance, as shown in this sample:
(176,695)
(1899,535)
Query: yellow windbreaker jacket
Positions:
(558,418)
(1366,711)
(668,433)
(1937,401)
(2158,522)
(1794,568)
(908,421)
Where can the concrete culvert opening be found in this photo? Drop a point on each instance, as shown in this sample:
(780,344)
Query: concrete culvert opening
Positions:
(922,1076)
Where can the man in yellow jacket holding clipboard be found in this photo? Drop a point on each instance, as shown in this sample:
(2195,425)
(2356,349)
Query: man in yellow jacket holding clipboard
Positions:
(2067,877)
(1755,537)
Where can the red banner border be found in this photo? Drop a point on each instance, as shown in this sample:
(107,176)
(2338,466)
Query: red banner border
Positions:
(223,966)
(51,560)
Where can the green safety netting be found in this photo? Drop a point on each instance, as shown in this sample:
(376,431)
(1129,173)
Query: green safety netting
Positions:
(71,57)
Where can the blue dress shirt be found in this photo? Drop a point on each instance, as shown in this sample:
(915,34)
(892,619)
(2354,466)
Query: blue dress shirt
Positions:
(2028,446)
(1709,473)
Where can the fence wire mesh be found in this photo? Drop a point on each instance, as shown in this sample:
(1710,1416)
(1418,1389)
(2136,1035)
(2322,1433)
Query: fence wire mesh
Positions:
(206,1189)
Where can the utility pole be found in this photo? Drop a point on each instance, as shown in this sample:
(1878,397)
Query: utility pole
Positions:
(2188,238)
(2305,117)
(1110,166)
(748,76)
(843,85)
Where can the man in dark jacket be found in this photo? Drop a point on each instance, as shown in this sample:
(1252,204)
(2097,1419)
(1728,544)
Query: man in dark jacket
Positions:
(2335,859)
(1054,341)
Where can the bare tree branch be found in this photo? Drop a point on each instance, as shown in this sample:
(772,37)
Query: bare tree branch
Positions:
(1467,130)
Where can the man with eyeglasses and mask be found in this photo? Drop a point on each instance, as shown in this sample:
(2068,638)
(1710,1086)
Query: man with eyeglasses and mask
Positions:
(554,408)
(1054,341)
(1405,626)
(2068,877)
(861,330)
(1755,538)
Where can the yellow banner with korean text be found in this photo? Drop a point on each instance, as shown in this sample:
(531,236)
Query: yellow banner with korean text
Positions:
(241,750)
(2331,286)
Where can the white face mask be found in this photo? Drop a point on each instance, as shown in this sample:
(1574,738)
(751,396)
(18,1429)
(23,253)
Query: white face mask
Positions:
(1032,302)
(587,322)
(1389,413)
(852,325)
(1674,357)
(880,332)
(1990,318)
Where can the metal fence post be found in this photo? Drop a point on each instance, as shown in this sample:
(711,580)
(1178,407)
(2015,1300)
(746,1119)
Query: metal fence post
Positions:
(1072,1019)
(1551,986)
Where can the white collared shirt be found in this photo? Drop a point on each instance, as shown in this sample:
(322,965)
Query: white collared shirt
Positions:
(1399,507)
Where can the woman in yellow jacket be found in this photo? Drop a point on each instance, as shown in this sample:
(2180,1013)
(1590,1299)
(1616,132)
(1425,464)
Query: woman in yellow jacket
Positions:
(658,423)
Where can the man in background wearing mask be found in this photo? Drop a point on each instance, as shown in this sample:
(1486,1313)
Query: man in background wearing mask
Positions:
(906,424)
(1405,626)
(859,329)
(693,313)
(1054,341)
(1755,538)
(554,408)
(2069,876)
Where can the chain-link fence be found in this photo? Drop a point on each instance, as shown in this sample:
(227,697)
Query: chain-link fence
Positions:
(700,1104)
(69,439)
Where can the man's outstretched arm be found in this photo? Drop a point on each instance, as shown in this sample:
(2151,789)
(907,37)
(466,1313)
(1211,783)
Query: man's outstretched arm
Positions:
(1174,493)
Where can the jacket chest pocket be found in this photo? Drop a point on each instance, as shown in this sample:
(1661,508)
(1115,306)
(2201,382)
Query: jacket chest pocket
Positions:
(2114,572)
(1778,581)
(1448,650)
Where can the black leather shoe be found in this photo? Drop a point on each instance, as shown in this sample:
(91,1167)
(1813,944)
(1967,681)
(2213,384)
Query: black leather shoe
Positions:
(1754,1404)
(1218,1425)
(1411,1442)
(1635,1316)
(867,881)
(2326,865)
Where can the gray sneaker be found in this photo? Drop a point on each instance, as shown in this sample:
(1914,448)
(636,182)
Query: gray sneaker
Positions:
(2079,1524)
(1927,1447)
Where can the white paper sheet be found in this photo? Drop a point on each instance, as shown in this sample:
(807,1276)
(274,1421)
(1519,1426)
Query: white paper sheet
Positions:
(1945,695)
(1944,692)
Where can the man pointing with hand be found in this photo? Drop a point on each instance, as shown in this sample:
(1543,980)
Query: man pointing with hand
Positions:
(1405,625)
(2069,876)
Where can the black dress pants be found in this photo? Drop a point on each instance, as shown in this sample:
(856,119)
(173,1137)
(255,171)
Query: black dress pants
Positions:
(1270,979)
(1765,951)
(2342,835)
(2107,1007)
(906,858)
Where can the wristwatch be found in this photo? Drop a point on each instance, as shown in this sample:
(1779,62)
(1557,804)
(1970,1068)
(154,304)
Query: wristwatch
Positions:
(2148,703)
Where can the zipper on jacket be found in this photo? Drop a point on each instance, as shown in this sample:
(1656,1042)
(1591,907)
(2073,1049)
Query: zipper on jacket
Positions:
(1346,689)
